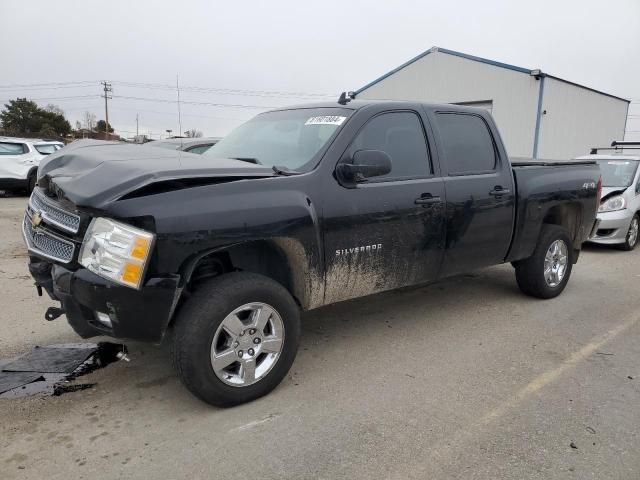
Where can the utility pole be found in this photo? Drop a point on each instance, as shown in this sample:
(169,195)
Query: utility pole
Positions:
(137,133)
(107,91)
(179,113)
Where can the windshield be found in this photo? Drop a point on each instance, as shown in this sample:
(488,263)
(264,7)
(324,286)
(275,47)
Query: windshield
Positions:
(618,173)
(47,148)
(288,138)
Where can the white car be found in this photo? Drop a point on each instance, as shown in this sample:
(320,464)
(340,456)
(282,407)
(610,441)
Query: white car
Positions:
(19,160)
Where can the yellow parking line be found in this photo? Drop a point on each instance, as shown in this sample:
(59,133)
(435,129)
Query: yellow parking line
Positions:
(549,376)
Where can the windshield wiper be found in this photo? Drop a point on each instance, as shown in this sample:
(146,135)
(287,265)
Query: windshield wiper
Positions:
(284,171)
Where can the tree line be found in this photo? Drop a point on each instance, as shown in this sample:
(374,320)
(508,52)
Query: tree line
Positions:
(23,116)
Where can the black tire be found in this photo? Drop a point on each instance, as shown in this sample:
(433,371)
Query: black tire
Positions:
(199,319)
(630,243)
(530,272)
(31,183)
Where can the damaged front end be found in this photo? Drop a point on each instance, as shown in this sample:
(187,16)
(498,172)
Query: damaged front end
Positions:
(53,232)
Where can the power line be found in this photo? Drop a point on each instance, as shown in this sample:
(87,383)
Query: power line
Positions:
(209,104)
(73,97)
(227,91)
(88,85)
(160,86)
(28,85)
(160,112)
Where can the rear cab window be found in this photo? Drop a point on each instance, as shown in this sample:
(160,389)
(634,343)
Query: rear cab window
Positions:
(467,143)
(12,148)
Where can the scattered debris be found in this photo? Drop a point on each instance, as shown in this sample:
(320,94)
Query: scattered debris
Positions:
(603,353)
(591,430)
(48,370)
(573,445)
(629,377)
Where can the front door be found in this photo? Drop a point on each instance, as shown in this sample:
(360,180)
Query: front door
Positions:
(388,231)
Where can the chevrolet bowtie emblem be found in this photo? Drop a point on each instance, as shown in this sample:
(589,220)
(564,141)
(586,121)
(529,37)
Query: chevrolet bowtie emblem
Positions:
(36,219)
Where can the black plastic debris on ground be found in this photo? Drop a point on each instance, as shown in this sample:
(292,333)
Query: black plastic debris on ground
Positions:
(49,369)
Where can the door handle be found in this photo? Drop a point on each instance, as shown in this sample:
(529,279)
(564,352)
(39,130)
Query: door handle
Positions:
(427,199)
(498,190)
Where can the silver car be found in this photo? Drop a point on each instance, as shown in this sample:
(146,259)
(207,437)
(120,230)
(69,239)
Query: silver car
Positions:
(619,213)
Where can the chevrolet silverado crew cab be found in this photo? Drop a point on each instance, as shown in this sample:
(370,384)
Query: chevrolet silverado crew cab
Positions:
(297,208)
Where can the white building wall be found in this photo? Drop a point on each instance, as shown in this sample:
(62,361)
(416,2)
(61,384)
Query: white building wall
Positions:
(577,119)
(442,78)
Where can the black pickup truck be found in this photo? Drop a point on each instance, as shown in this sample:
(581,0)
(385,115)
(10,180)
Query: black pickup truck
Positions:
(298,208)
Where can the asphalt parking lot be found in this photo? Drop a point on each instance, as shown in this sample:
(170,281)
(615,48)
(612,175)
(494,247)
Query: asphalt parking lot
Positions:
(466,378)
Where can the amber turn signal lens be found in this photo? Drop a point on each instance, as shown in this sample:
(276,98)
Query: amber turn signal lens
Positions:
(131,273)
(140,248)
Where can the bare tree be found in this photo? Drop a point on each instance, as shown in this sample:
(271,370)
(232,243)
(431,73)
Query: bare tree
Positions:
(193,133)
(89,120)
(54,109)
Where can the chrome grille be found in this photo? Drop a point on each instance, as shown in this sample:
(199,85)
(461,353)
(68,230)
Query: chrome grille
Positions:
(53,214)
(45,244)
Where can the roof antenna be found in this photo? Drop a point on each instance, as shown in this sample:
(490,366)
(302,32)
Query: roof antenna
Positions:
(344,99)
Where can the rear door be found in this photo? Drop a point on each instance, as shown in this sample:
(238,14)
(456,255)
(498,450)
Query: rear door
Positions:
(386,232)
(15,160)
(480,192)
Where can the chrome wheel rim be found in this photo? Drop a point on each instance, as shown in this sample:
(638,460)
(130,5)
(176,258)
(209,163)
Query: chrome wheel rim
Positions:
(555,263)
(247,344)
(632,237)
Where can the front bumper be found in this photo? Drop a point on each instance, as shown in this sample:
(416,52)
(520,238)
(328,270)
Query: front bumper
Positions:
(134,314)
(612,227)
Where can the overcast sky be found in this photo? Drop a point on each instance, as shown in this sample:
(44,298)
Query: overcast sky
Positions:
(296,47)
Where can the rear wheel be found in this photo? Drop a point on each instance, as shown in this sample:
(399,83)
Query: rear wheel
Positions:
(631,239)
(545,274)
(236,338)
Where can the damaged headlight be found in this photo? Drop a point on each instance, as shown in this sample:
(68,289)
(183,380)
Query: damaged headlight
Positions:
(116,251)
(612,204)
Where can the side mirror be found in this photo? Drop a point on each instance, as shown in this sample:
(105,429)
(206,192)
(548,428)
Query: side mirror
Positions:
(365,164)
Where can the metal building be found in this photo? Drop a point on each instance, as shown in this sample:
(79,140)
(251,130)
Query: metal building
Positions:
(539,115)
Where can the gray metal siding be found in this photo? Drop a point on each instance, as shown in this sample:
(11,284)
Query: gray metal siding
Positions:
(443,78)
(577,119)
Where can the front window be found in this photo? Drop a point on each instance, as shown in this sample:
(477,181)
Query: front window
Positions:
(618,173)
(286,138)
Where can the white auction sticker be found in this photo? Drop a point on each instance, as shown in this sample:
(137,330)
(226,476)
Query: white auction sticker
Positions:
(326,120)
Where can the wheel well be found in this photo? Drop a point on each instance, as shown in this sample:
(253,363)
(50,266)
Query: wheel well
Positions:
(262,256)
(567,216)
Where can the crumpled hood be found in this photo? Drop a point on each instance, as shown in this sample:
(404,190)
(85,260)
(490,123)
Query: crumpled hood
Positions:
(93,173)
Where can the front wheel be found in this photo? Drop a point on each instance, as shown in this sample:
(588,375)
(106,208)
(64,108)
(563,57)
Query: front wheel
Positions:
(631,240)
(236,338)
(545,273)
(31,183)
